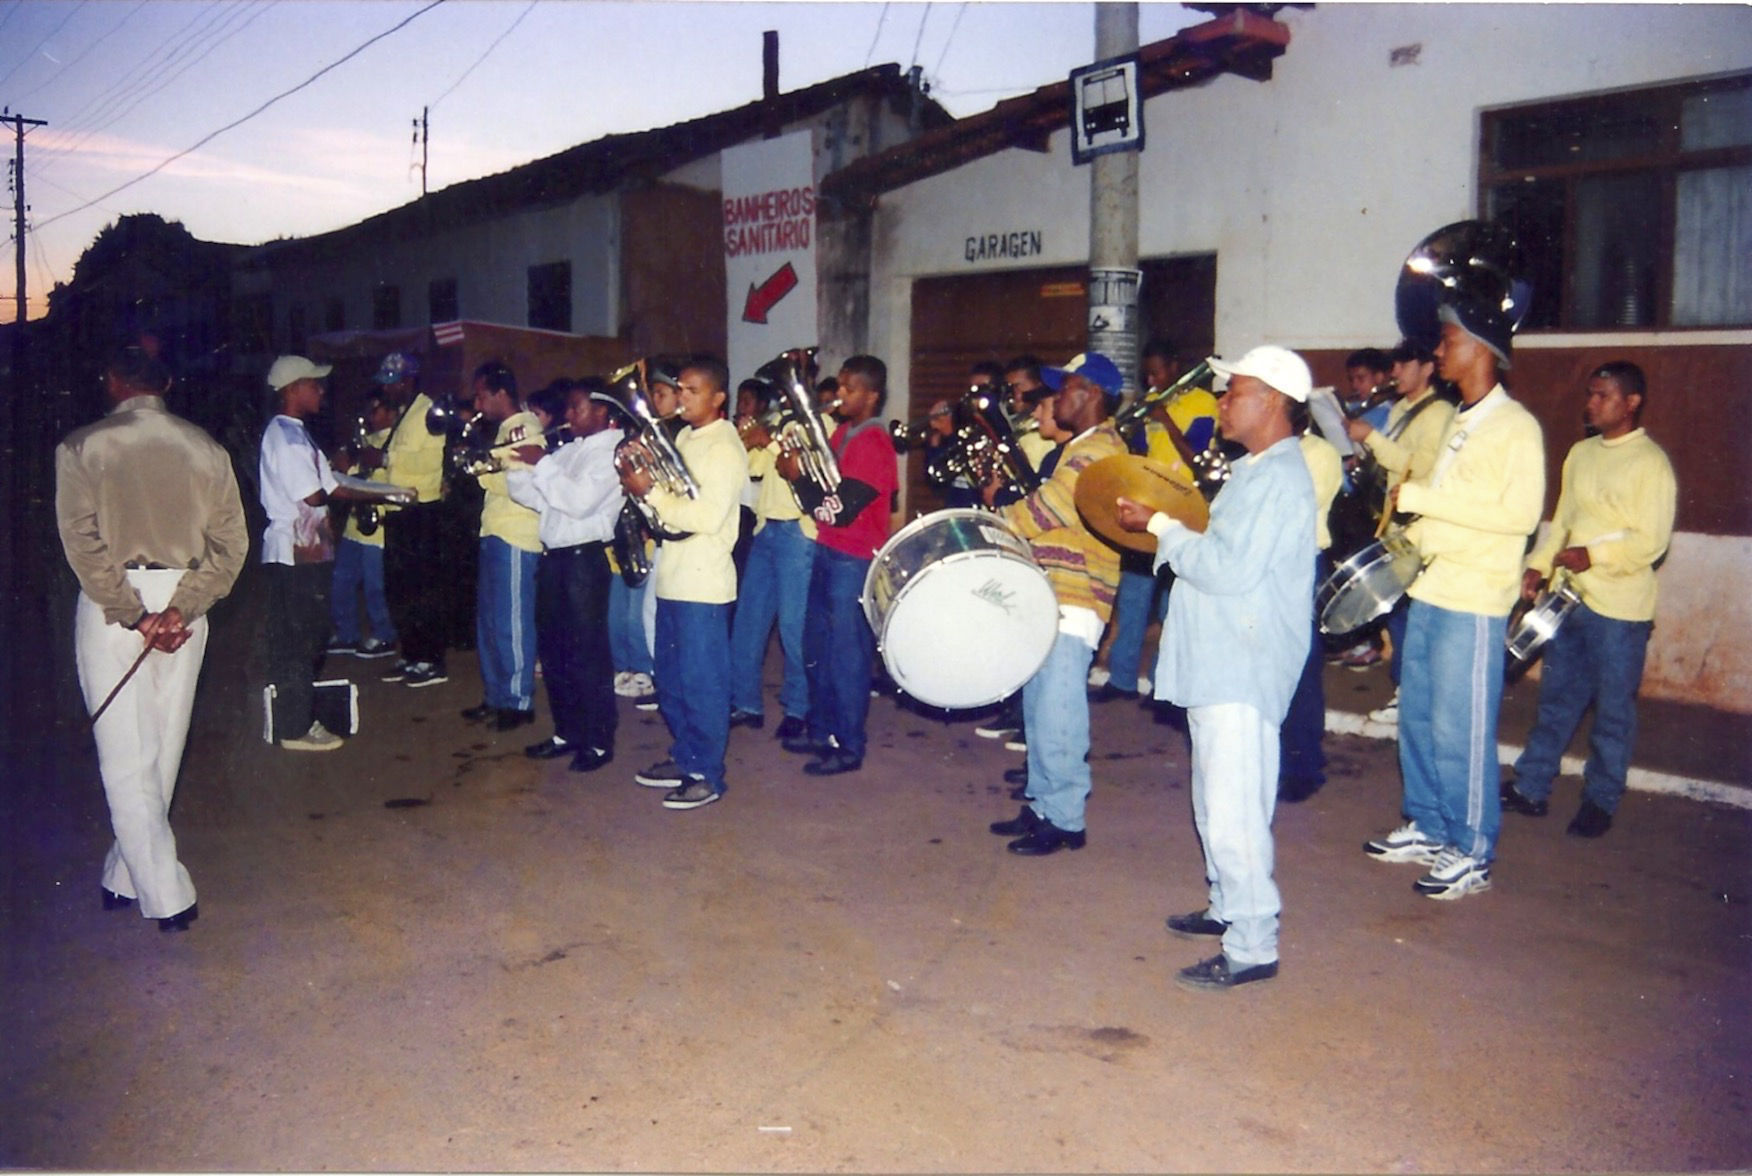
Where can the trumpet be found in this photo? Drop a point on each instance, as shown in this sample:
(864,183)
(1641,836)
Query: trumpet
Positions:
(475,459)
(800,432)
(648,447)
(1132,418)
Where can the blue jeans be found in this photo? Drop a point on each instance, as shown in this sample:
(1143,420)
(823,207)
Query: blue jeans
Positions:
(839,651)
(775,586)
(1301,759)
(359,566)
(1449,697)
(626,627)
(1592,659)
(1055,713)
(505,623)
(1131,617)
(693,685)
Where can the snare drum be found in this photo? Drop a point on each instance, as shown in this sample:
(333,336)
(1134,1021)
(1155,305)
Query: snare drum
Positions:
(962,613)
(1541,621)
(1368,584)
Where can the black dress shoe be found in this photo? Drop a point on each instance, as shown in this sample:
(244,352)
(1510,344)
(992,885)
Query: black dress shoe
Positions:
(1015,775)
(1046,838)
(1294,790)
(552,748)
(747,719)
(1590,821)
(1197,924)
(590,759)
(1025,821)
(179,921)
(113,901)
(479,713)
(1515,801)
(803,745)
(1215,974)
(833,763)
(791,727)
(509,719)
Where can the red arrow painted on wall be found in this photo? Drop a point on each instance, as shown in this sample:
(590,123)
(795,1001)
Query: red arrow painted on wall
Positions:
(764,297)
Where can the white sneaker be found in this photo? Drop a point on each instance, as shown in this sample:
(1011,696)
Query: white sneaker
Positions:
(1098,676)
(1407,843)
(1454,875)
(623,683)
(318,738)
(1387,714)
(1144,685)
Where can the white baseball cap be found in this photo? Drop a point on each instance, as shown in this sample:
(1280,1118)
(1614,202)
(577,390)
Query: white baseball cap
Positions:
(1280,367)
(289,369)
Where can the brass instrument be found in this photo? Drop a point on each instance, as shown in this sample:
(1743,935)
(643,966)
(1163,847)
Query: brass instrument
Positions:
(986,442)
(648,447)
(800,432)
(367,516)
(628,544)
(1131,419)
(474,458)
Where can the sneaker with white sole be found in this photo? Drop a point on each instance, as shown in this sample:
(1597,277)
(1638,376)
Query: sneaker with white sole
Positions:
(1454,875)
(397,671)
(372,648)
(318,738)
(425,674)
(623,684)
(338,646)
(1387,714)
(1407,843)
(695,793)
(661,775)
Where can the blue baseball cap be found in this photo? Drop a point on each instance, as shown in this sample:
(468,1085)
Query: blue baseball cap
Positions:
(1092,366)
(396,367)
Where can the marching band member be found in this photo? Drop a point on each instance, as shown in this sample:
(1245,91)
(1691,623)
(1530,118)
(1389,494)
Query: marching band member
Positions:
(359,558)
(695,585)
(1234,643)
(774,588)
(1084,572)
(413,534)
(852,524)
(578,495)
(1301,758)
(153,528)
(1477,506)
(510,552)
(1613,523)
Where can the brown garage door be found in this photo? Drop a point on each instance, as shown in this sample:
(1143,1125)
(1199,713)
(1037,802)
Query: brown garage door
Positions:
(962,320)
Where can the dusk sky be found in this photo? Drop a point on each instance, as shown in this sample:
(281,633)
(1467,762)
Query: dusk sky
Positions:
(127,84)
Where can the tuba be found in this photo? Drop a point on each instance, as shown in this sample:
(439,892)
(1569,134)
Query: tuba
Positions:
(648,446)
(800,431)
(1471,264)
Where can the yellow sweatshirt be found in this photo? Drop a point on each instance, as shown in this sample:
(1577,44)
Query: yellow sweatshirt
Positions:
(415,457)
(1327,470)
(1410,456)
(1477,507)
(501,516)
(699,568)
(774,500)
(1617,500)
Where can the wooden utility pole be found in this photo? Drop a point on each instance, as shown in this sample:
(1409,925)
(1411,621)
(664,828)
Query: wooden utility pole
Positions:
(19,122)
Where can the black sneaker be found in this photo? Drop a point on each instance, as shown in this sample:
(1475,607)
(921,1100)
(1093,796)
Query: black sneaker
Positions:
(1590,821)
(397,671)
(372,648)
(1514,801)
(661,775)
(1196,924)
(337,646)
(1214,974)
(695,793)
(424,674)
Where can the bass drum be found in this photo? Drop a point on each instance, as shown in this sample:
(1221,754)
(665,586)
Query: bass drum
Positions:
(962,614)
(1367,584)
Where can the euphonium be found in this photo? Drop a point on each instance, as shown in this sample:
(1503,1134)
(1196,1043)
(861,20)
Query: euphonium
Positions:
(648,447)
(987,443)
(800,430)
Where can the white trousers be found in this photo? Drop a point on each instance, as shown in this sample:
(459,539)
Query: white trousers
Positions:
(140,743)
(1234,793)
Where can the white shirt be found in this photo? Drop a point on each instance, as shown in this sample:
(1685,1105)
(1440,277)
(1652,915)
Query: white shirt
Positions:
(575,490)
(292,469)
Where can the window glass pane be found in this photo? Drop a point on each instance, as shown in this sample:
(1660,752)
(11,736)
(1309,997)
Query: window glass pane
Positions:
(1617,233)
(1720,118)
(1712,248)
(1579,132)
(1535,212)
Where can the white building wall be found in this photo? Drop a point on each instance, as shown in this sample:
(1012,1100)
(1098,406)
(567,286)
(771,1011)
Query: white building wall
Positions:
(1312,187)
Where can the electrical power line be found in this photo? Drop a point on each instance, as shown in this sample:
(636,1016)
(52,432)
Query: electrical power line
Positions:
(31,56)
(234,124)
(85,52)
(920,39)
(512,28)
(881,20)
(938,72)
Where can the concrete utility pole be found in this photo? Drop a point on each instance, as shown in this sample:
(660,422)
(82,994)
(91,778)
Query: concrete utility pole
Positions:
(1114,277)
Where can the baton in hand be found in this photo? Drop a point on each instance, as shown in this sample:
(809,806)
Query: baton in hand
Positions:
(117,689)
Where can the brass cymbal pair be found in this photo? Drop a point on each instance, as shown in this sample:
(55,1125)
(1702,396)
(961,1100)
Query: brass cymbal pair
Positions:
(1169,488)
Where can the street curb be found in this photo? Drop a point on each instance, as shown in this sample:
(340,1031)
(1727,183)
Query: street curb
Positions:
(1639,780)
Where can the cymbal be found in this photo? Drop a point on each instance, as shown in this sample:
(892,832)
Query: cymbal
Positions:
(1158,485)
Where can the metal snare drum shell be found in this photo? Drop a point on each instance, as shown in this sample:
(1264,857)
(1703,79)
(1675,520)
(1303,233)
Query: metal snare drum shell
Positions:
(1368,584)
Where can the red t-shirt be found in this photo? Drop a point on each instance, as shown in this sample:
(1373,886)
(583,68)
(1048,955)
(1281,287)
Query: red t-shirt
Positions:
(869,458)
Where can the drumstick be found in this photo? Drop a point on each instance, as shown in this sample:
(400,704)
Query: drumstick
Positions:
(117,689)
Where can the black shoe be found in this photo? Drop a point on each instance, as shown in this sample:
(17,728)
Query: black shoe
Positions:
(1590,821)
(1196,924)
(833,763)
(479,713)
(791,727)
(749,719)
(1020,792)
(1025,821)
(1214,974)
(590,759)
(113,901)
(1046,838)
(803,745)
(509,719)
(180,921)
(1108,692)
(1295,791)
(1015,775)
(552,748)
(1514,801)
